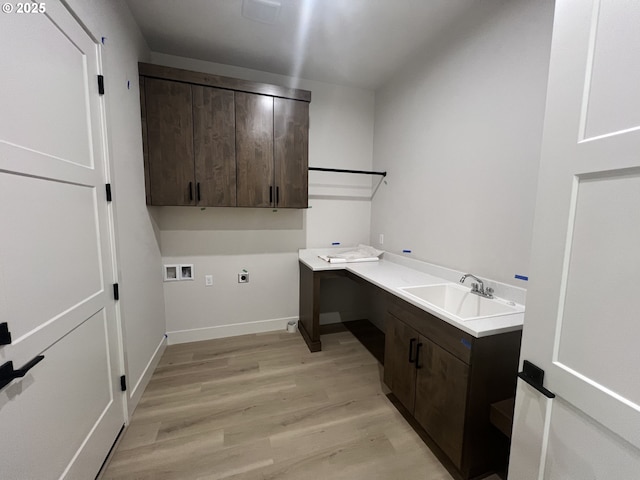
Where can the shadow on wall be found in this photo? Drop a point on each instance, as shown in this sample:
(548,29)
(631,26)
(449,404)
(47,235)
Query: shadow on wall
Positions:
(229,231)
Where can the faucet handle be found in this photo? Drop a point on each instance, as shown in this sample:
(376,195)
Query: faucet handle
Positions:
(489,292)
(474,287)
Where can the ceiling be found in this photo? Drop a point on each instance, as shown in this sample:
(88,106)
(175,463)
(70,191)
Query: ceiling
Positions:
(348,42)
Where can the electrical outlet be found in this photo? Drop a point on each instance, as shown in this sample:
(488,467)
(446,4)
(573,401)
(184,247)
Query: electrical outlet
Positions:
(243,277)
(208,280)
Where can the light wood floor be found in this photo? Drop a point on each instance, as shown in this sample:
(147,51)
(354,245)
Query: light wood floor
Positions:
(263,407)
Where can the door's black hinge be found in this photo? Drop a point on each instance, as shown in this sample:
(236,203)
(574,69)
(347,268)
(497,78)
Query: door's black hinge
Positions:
(5,334)
(108,189)
(101,84)
(116,292)
(123,383)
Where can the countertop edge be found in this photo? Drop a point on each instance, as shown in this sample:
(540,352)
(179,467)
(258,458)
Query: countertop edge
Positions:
(477,328)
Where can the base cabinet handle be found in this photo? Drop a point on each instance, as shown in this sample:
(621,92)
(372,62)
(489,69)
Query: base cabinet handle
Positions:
(411,342)
(418,366)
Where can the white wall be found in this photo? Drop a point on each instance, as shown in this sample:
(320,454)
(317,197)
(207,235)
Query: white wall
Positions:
(459,132)
(224,241)
(140,276)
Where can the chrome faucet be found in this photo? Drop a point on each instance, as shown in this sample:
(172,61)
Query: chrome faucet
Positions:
(478,288)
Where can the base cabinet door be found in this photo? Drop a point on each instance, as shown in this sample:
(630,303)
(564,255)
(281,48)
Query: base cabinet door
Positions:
(441,396)
(448,380)
(400,372)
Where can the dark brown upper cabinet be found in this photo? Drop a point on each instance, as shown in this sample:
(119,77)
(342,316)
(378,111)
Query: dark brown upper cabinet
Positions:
(214,145)
(169,142)
(217,141)
(254,150)
(291,152)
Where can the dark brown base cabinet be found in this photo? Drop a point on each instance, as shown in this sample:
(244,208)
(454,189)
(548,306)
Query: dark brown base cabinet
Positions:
(447,380)
(215,141)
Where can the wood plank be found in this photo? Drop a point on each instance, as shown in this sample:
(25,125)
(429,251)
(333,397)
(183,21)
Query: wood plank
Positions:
(441,398)
(214,143)
(145,143)
(291,153)
(501,415)
(399,370)
(309,305)
(169,124)
(207,79)
(299,415)
(370,336)
(493,378)
(254,150)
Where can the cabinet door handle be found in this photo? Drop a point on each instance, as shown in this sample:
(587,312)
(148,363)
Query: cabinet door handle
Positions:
(7,373)
(5,334)
(534,376)
(270,195)
(198,191)
(191,191)
(418,356)
(277,195)
(411,342)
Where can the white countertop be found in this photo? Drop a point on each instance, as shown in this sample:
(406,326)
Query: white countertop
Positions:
(390,276)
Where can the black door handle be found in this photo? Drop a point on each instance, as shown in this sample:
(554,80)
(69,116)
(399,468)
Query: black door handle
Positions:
(198,191)
(277,196)
(411,342)
(5,334)
(534,376)
(418,355)
(7,373)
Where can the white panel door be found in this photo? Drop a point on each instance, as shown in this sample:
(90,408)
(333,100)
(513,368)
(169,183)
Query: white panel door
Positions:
(56,260)
(583,308)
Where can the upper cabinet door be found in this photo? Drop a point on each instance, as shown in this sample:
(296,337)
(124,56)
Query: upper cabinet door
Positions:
(169,128)
(254,150)
(291,152)
(216,141)
(214,146)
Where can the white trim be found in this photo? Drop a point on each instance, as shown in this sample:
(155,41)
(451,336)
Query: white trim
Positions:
(167,278)
(545,439)
(135,392)
(181,271)
(230,330)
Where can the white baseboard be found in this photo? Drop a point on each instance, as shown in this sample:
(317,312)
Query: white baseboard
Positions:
(232,330)
(137,390)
